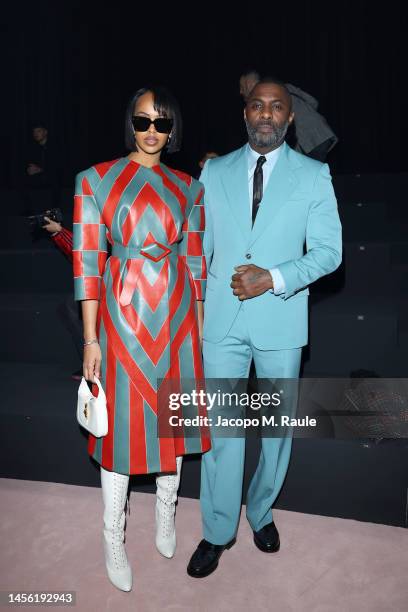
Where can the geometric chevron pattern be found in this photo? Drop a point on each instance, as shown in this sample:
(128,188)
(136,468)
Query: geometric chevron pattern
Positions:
(153,218)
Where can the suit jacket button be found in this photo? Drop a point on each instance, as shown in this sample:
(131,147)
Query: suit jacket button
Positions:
(248,255)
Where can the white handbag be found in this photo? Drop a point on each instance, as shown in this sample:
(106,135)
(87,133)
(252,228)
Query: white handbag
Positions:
(92,413)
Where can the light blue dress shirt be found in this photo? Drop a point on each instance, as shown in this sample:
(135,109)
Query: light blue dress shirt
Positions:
(268,166)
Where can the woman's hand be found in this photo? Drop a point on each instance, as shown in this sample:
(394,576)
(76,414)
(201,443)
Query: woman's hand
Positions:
(92,361)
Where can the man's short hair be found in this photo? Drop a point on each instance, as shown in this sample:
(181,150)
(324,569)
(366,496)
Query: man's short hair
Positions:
(274,81)
(38,124)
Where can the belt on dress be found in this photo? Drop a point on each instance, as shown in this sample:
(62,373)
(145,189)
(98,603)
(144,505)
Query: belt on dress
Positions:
(154,251)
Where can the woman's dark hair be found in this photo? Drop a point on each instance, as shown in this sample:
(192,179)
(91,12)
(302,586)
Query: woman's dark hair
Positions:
(165,104)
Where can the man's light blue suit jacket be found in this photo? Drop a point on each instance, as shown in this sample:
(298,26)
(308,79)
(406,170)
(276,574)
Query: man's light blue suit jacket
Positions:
(297,229)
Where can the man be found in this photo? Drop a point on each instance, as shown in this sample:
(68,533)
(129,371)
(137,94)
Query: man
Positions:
(37,165)
(264,202)
(247,82)
(42,175)
(312,135)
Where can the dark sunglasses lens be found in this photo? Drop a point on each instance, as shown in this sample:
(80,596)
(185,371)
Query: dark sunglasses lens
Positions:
(163,125)
(141,124)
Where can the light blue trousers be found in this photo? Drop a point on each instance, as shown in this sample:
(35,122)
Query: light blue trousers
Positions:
(222,467)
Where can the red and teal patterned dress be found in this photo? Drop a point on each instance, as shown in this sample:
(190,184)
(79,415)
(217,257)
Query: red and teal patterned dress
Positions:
(147,289)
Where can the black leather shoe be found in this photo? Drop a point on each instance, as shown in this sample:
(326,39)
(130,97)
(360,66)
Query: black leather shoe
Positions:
(267,538)
(205,559)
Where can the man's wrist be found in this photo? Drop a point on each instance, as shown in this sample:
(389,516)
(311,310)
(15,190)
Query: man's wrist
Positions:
(270,279)
(278,281)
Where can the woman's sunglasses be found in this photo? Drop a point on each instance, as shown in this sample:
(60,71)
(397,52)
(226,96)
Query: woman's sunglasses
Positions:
(162,125)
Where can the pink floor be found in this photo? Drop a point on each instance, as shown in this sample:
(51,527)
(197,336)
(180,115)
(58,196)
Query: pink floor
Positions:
(51,540)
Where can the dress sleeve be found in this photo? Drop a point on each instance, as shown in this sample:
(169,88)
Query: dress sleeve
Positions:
(89,250)
(191,247)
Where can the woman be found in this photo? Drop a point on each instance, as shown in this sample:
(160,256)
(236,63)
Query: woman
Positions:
(142,310)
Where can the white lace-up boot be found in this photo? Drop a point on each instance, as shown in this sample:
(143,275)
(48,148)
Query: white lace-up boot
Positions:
(114,493)
(166,497)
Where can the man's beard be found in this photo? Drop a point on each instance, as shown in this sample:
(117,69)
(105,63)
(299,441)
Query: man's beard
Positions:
(265,140)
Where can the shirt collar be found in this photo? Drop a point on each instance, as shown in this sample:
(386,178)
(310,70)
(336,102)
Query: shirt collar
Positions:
(253,155)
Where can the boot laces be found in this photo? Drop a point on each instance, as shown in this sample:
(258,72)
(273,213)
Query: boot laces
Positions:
(117,533)
(167,508)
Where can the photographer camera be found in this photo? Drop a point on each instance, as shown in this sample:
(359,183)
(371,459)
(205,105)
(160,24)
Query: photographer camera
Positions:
(61,236)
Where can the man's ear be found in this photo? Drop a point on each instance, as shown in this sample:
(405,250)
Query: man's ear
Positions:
(245,113)
(291,117)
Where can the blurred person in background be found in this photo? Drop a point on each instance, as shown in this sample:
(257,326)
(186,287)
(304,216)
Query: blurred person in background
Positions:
(38,152)
(40,159)
(247,82)
(41,171)
(208,155)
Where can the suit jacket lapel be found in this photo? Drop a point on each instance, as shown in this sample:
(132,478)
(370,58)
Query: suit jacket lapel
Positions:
(281,184)
(235,184)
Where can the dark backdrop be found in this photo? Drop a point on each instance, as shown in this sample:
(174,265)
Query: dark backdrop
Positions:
(74,65)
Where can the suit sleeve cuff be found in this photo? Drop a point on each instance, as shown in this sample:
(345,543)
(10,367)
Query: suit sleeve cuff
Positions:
(278,282)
